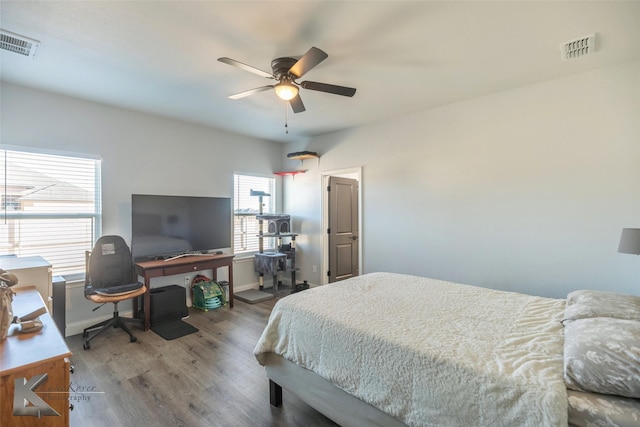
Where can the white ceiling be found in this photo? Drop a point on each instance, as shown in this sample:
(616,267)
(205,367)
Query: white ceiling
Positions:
(161,56)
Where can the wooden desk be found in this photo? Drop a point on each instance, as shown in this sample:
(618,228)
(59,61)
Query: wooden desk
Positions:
(187,264)
(27,356)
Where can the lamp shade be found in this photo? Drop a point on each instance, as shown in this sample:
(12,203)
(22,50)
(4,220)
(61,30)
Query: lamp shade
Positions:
(286,90)
(630,241)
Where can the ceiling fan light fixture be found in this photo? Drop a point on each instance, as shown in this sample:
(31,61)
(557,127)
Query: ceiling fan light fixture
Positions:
(286,90)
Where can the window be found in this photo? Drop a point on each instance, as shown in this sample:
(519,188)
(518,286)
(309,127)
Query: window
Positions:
(245,208)
(50,207)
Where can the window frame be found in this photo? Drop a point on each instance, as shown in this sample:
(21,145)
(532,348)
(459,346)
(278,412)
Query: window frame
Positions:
(94,216)
(272,200)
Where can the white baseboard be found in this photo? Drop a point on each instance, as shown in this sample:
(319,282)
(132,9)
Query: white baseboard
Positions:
(246,287)
(76,328)
(269,285)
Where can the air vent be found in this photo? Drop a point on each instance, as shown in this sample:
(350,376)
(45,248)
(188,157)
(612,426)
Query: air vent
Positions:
(579,47)
(18,44)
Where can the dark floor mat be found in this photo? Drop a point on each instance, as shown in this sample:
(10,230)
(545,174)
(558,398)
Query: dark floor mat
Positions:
(173,330)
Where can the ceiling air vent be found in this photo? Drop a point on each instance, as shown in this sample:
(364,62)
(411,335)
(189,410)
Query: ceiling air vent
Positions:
(18,44)
(579,47)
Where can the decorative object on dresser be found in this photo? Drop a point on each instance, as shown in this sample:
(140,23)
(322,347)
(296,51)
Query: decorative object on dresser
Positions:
(10,324)
(6,297)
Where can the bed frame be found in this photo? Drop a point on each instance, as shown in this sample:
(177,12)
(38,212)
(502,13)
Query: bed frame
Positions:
(320,394)
(306,320)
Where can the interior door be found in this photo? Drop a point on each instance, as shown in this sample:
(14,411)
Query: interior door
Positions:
(343,228)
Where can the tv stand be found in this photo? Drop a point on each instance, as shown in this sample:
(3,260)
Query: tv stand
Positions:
(186,263)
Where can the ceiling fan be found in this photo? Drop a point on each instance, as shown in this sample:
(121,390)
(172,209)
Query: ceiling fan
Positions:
(286,71)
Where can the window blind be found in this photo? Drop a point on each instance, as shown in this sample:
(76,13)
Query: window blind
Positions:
(245,224)
(50,207)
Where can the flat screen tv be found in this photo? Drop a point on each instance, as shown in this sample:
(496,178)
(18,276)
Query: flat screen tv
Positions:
(166,226)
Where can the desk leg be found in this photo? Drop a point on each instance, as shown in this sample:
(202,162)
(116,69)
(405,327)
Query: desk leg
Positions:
(214,277)
(231,284)
(147,304)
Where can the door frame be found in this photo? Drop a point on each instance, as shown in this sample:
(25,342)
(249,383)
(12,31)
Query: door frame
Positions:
(353,173)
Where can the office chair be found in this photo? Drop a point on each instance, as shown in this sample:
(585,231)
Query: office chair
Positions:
(110,278)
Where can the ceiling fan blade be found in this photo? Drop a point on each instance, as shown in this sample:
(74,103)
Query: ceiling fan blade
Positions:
(250,92)
(313,57)
(325,87)
(296,104)
(245,67)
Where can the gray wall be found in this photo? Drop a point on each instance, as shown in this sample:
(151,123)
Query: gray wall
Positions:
(140,153)
(525,190)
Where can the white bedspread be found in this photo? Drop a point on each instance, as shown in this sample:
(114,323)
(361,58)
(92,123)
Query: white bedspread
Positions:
(429,352)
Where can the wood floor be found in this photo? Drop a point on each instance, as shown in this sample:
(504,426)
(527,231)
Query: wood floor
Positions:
(208,378)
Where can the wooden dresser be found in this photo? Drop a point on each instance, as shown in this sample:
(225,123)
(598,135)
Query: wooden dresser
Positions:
(36,364)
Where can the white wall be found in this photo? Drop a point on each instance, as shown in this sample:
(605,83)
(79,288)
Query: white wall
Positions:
(140,153)
(525,190)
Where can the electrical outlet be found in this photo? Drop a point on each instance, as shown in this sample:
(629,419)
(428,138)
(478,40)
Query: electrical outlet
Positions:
(187,281)
(315,268)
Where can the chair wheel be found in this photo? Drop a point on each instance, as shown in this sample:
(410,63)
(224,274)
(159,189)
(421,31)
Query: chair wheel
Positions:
(133,339)
(86,346)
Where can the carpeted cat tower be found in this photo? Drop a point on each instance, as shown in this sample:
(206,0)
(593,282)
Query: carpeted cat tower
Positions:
(254,296)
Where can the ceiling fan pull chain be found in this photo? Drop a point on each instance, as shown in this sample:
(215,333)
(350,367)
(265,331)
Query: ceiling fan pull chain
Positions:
(286,119)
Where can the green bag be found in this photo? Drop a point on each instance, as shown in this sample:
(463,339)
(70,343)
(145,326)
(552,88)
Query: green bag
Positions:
(207,294)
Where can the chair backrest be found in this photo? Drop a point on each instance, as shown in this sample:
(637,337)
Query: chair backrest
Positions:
(110,264)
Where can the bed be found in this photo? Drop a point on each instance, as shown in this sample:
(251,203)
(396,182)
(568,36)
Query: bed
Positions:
(389,349)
